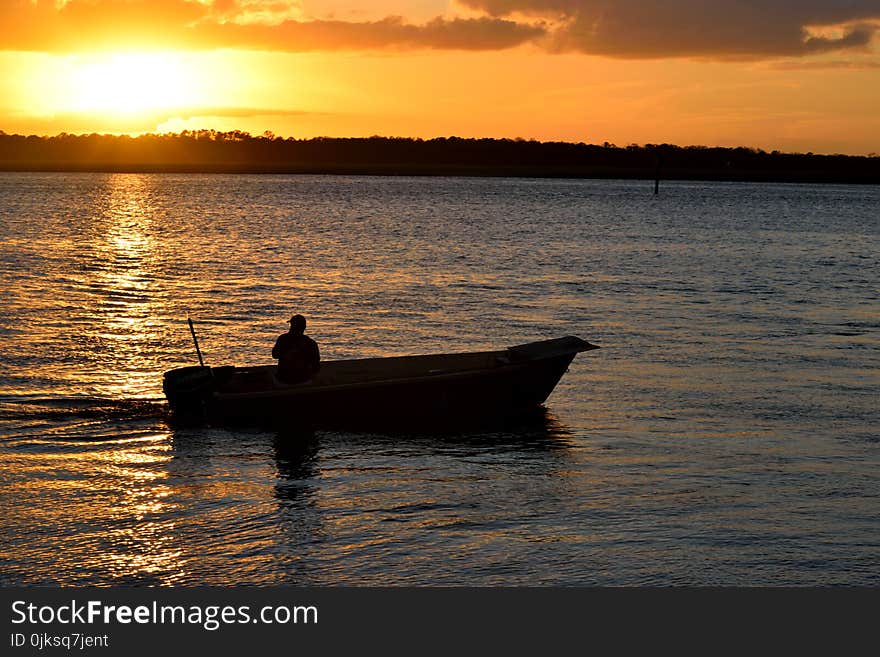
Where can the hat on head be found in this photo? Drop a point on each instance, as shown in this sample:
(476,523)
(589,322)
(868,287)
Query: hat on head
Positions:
(298,322)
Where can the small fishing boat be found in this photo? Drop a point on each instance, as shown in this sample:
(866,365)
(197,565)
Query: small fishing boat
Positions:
(369,390)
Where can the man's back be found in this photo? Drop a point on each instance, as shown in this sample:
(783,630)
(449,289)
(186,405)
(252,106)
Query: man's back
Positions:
(298,357)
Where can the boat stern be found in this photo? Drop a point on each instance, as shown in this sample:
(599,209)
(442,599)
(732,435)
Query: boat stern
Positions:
(187,388)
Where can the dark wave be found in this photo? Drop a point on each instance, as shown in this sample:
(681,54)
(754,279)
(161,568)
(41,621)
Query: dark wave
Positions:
(64,408)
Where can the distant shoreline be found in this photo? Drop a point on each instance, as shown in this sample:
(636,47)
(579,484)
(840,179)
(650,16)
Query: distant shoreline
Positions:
(241,153)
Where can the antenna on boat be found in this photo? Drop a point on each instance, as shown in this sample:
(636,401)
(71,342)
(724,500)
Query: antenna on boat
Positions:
(196,341)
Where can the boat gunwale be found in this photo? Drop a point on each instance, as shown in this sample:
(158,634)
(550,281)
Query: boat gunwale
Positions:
(512,366)
(298,389)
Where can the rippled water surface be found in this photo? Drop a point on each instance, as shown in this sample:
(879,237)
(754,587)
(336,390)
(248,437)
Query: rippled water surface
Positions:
(728,431)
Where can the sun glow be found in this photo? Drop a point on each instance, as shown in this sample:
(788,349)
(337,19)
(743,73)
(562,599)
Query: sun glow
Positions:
(126,92)
(130,83)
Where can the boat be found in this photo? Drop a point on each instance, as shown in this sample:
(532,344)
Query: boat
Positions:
(365,391)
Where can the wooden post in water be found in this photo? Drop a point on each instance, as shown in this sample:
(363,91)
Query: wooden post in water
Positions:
(657,176)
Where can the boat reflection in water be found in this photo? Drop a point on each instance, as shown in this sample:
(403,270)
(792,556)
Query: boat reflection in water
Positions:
(378,391)
(307,506)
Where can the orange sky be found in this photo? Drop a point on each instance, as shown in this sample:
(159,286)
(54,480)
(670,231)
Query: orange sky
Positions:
(794,75)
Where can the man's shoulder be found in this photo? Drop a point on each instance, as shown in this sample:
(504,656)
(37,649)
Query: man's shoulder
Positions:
(285,339)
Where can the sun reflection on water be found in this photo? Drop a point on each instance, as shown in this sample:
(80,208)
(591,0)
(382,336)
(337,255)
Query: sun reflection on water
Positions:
(106,506)
(138,532)
(127,299)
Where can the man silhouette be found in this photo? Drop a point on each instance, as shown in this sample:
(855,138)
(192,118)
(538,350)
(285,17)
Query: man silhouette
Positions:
(298,356)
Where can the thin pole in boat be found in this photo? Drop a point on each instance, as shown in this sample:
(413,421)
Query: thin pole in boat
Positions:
(196,341)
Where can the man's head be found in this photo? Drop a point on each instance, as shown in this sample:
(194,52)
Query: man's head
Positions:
(297,324)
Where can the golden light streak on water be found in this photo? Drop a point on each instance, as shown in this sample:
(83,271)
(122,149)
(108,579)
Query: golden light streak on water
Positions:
(127,296)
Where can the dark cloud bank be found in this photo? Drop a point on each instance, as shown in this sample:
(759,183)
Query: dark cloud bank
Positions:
(619,28)
(717,28)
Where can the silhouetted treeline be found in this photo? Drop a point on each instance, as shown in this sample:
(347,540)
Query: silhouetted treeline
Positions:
(210,151)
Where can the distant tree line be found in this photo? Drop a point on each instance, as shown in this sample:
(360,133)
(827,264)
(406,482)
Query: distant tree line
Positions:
(236,151)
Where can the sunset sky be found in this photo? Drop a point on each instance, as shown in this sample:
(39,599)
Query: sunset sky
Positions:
(793,75)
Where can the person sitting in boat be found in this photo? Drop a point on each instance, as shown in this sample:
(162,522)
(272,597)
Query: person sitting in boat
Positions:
(298,356)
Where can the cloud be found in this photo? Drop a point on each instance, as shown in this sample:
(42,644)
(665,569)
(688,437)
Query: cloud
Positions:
(719,29)
(812,65)
(698,28)
(455,34)
(78,25)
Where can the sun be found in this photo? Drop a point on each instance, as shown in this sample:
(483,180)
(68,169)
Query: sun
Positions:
(130,83)
(136,92)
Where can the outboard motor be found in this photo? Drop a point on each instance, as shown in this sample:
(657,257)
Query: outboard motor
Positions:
(187,388)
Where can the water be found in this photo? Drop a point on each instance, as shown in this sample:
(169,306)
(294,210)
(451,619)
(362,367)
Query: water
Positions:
(727,433)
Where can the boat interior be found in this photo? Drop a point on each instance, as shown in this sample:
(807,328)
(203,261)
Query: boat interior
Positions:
(366,370)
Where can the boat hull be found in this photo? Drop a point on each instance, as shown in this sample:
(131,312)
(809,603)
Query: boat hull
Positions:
(422,389)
